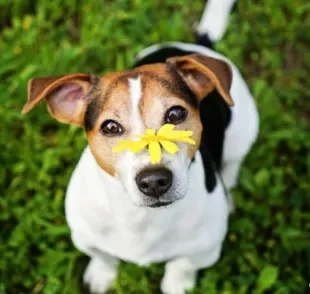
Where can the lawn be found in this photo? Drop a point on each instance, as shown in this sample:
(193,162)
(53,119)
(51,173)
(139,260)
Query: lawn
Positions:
(267,249)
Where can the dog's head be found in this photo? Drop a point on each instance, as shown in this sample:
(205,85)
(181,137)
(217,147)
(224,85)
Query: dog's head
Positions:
(122,104)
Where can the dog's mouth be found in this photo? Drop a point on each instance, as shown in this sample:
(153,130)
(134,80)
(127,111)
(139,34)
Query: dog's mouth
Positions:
(160,204)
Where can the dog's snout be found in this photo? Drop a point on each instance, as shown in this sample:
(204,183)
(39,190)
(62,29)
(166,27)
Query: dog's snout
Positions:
(154,182)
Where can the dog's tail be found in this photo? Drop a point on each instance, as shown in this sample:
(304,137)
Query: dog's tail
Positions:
(213,22)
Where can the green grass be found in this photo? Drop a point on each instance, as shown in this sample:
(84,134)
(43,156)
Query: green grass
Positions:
(267,249)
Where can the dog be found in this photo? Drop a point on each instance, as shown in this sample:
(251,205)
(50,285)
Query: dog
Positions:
(119,206)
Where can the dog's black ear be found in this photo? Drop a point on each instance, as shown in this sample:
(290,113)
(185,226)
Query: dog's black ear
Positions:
(65,96)
(202,74)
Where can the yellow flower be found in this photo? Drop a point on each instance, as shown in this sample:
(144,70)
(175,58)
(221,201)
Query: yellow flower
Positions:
(165,137)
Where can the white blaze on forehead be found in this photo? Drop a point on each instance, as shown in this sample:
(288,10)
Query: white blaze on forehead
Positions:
(129,159)
(135,94)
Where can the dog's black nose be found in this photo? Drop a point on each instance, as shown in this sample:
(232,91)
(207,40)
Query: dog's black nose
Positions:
(154,182)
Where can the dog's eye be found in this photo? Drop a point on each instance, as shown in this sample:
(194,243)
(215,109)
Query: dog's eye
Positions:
(175,115)
(111,128)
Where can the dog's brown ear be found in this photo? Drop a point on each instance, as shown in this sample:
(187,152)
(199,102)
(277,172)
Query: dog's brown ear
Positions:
(65,96)
(202,74)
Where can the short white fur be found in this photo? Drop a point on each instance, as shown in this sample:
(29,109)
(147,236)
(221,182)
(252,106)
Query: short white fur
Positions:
(215,18)
(127,159)
(135,94)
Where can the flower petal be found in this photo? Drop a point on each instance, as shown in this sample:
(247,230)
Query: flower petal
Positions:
(122,145)
(154,151)
(169,146)
(179,134)
(187,140)
(150,132)
(167,128)
(137,146)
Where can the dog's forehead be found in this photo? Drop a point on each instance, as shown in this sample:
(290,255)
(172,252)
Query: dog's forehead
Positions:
(116,92)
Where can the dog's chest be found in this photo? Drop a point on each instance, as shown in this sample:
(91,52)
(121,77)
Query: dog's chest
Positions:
(103,215)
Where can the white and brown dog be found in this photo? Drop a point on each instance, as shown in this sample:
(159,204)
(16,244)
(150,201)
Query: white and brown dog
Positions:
(119,206)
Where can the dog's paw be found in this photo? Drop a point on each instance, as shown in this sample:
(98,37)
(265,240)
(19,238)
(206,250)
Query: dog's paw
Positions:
(99,276)
(177,283)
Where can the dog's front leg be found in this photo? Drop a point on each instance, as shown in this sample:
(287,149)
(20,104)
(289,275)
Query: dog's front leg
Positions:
(102,267)
(100,273)
(180,273)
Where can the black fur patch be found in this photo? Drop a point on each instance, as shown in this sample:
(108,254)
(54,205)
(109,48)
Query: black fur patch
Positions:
(215,116)
(209,167)
(204,40)
(161,55)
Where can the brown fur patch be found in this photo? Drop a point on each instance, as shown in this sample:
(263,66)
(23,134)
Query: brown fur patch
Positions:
(115,105)
(202,74)
(40,88)
(160,90)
